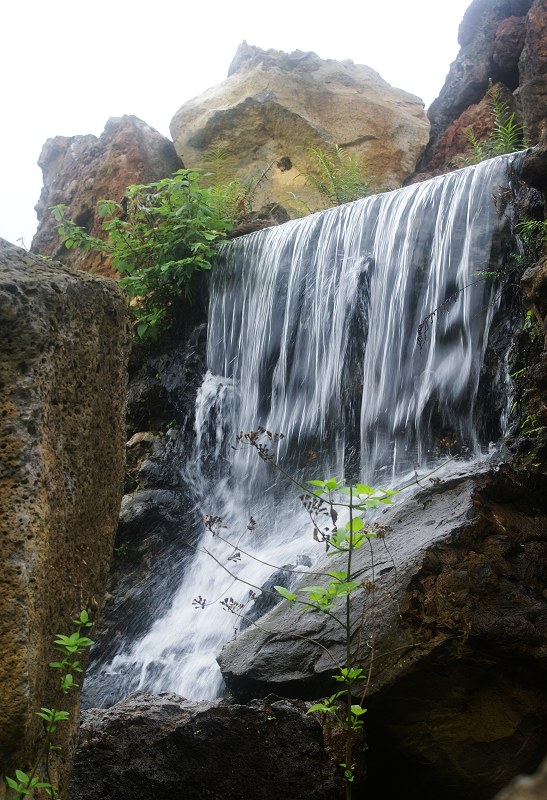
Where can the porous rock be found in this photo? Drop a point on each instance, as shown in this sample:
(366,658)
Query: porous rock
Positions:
(78,171)
(160,747)
(455,615)
(275,106)
(63,354)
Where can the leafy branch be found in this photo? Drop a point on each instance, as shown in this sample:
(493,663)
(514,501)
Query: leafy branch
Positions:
(70,647)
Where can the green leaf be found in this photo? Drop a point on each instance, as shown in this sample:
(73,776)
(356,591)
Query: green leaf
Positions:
(21,776)
(341,576)
(326,709)
(355,525)
(320,590)
(285,593)
(361,488)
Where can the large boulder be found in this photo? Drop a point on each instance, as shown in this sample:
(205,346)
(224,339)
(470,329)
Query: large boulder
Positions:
(451,619)
(163,747)
(78,171)
(275,106)
(63,353)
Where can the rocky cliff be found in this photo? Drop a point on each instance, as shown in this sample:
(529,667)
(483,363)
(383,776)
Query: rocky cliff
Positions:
(78,171)
(63,352)
(502,43)
(274,107)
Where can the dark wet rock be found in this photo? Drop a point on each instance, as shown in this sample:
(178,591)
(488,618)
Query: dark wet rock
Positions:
(158,519)
(164,747)
(456,616)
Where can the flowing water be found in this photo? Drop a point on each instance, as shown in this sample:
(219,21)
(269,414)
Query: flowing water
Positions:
(313,333)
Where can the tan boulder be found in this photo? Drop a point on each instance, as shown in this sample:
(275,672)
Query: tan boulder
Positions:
(275,106)
(63,352)
(78,171)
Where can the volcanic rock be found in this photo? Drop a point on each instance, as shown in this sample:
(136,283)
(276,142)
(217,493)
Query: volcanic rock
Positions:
(274,107)
(78,171)
(162,747)
(497,45)
(63,343)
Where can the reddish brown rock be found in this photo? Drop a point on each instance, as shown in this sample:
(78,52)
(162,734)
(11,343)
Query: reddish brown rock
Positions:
(454,145)
(78,171)
(497,44)
(533,71)
(508,44)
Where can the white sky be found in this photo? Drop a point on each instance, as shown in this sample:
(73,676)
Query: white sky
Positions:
(68,66)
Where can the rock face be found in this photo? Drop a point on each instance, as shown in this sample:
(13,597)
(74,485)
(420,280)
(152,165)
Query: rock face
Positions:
(455,615)
(503,43)
(78,171)
(527,787)
(157,515)
(158,748)
(275,106)
(63,343)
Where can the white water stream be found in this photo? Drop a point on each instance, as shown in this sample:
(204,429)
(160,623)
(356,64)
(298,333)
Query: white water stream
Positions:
(313,333)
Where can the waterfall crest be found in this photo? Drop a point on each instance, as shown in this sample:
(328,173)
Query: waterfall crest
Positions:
(313,332)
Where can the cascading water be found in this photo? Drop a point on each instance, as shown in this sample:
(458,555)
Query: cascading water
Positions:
(313,333)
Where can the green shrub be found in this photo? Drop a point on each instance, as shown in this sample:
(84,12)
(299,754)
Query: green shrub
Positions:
(338,176)
(159,237)
(507,136)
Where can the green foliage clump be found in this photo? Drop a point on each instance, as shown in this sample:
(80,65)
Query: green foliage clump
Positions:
(230,198)
(338,176)
(533,236)
(507,136)
(159,238)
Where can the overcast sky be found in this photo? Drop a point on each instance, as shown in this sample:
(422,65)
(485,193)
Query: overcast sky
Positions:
(68,66)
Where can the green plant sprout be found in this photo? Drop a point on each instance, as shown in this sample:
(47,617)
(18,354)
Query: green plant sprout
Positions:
(70,648)
(337,175)
(508,135)
(328,497)
(323,500)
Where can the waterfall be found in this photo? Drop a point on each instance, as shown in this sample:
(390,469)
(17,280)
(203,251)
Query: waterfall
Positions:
(313,333)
